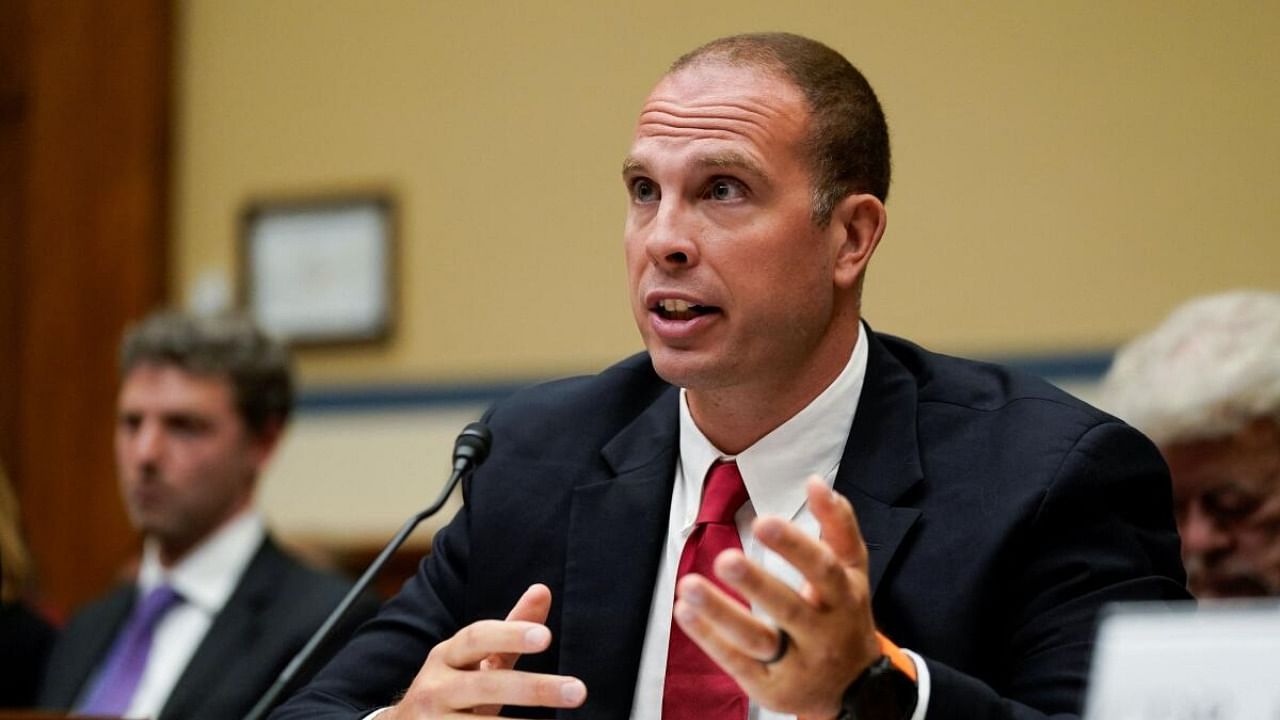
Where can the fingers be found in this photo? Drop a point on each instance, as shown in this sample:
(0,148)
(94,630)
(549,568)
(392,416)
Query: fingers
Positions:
(826,576)
(471,671)
(494,689)
(765,591)
(727,634)
(698,600)
(533,607)
(481,639)
(829,618)
(838,525)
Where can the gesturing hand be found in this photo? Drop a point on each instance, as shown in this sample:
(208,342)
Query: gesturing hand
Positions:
(470,673)
(832,633)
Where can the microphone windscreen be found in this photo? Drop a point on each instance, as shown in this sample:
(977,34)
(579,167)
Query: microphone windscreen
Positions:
(472,445)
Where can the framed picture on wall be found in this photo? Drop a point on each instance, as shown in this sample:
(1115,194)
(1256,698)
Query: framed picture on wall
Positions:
(320,271)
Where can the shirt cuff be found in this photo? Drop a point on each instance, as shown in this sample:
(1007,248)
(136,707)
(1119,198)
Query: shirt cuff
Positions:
(922,685)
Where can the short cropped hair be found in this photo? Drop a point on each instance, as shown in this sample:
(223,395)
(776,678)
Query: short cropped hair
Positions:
(1209,370)
(848,143)
(227,345)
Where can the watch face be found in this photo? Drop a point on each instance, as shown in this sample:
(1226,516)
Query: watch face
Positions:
(882,692)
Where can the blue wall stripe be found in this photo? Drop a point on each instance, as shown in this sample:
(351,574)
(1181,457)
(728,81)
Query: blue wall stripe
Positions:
(1075,366)
(377,398)
(428,396)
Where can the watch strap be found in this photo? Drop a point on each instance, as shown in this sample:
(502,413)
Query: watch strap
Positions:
(899,659)
(885,690)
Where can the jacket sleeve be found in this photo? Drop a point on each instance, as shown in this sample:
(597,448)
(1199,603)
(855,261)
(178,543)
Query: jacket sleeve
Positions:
(1103,532)
(381,660)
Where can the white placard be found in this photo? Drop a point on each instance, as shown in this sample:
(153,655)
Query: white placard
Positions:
(1177,662)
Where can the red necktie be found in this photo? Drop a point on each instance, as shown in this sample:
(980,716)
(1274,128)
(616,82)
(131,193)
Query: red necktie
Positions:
(695,687)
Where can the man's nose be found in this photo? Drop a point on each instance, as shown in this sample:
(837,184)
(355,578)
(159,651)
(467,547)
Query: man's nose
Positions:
(672,239)
(1201,532)
(147,443)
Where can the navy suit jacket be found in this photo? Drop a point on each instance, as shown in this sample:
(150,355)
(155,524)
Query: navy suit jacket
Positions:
(999,513)
(271,614)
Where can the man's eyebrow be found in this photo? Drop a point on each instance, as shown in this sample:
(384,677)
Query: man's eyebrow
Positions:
(730,160)
(630,165)
(721,160)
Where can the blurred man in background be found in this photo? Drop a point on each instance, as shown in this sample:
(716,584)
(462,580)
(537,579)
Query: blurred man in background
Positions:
(1205,386)
(217,609)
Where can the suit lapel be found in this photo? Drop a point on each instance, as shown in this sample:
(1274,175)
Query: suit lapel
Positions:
(617,526)
(69,682)
(234,629)
(881,460)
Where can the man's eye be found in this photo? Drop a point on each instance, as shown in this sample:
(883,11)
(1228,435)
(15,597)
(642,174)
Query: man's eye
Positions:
(725,189)
(644,190)
(189,426)
(1230,505)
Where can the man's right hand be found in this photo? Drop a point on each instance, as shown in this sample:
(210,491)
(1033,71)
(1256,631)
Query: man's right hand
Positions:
(470,673)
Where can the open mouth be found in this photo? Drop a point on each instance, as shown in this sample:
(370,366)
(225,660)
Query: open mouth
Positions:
(672,309)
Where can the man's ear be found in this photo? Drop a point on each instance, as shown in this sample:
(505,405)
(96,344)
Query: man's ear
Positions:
(263,445)
(858,221)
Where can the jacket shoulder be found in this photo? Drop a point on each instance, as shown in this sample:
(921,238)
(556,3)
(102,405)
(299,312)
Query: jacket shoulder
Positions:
(578,412)
(984,386)
(303,588)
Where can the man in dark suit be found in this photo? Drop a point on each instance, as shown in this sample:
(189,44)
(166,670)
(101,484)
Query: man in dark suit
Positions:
(217,609)
(775,512)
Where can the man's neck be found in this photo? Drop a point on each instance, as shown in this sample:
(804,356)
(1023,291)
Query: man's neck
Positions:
(734,418)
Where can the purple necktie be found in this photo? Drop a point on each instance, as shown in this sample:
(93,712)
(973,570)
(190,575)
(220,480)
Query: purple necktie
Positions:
(120,673)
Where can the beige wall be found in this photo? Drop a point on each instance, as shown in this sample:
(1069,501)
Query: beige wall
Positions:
(1065,172)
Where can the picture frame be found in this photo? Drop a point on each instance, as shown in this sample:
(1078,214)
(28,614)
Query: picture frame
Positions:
(321,271)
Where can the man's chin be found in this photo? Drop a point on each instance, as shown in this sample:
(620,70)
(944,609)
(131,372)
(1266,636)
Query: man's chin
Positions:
(681,368)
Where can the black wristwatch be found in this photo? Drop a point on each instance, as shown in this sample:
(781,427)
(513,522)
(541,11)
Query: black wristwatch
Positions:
(881,692)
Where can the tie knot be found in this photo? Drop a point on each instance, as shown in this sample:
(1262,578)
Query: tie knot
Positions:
(723,494)
(155,604)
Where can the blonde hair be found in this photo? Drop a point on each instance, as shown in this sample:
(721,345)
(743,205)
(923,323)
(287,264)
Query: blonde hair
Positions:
(15,564)
(1209,370)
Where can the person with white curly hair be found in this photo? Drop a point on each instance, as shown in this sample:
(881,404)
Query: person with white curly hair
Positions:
(1205,386)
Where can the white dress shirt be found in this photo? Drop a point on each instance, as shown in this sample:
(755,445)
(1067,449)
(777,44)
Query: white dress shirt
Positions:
(774,471)
(205,579)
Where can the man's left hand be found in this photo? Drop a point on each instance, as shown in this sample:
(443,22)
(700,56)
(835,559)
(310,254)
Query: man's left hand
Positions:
(832,633)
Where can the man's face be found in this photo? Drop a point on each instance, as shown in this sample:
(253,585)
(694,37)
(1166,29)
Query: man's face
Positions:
(1227,496)
(185,460)
(731,282)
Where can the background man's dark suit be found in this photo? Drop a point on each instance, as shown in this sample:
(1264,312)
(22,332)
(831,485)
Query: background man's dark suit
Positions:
(274,609)
(1000,514)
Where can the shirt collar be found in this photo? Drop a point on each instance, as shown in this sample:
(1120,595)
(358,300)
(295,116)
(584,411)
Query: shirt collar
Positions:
(810,442)
(209,573)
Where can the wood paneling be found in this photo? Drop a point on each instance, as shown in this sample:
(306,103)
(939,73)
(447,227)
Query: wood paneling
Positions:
(89,207)
(12,110)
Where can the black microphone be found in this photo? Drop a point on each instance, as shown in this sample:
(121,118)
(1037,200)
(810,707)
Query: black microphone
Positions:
(469,450)
(471,447)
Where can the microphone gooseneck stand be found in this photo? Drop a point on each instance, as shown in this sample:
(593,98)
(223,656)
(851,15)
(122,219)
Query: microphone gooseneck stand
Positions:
(469,450)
